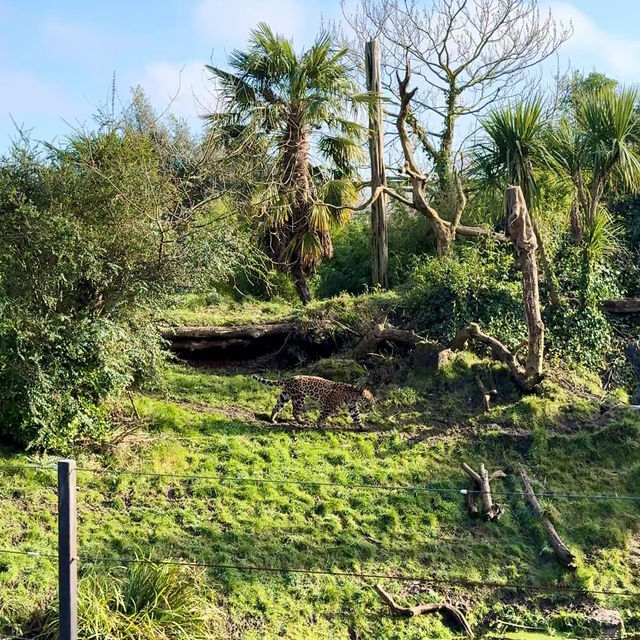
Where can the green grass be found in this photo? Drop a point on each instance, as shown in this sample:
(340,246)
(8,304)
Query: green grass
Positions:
(352,311)
(209,423)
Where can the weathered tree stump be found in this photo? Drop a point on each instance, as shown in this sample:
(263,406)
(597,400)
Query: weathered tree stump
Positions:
(449,611)
(383,333)
(480,485)
(520,231)
(564,555)
(486,394)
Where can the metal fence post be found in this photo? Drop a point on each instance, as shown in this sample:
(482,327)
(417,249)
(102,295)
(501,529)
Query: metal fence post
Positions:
(67,550)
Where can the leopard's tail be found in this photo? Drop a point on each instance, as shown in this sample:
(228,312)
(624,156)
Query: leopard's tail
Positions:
(271,383)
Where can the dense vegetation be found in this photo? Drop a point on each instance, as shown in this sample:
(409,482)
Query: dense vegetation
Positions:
(138,224)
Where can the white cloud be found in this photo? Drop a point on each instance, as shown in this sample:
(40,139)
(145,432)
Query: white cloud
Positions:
(229,22)
(24,95)
(185,90)
(592,46)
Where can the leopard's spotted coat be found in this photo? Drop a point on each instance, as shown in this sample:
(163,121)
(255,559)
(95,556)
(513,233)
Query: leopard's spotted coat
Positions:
(330,395)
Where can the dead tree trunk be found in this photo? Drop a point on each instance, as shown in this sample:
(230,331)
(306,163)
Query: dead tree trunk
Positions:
(564,555)
(490,510)
(447,610)
(520,232)
(379,247)
(486,394)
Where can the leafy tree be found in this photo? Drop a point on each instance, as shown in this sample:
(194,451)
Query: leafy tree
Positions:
(514,153)
(596,148)
(95,235)
(287,111)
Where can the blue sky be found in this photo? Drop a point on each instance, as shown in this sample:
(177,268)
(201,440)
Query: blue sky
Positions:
(57,57)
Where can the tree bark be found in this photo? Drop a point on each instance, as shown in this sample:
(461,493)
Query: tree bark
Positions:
(575,220)
(564,555)
(300,282)
(379,246)
(621,307)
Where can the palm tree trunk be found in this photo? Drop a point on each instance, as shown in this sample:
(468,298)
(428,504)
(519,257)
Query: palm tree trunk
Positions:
(297,183)
(300,283)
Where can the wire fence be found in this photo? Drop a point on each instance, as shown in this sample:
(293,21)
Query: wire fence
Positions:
(372,486)
(68,557)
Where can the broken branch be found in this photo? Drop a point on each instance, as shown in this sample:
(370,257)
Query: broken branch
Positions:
(564,555)
(448,610)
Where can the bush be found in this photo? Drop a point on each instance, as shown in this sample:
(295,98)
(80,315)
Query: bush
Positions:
(144,600)
(86,253)
(444,294)
(349,271)
(55,372)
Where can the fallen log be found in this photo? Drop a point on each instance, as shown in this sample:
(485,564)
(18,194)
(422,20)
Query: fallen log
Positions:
(564,555)
(237,333)
(621,307)
(472,492)
(490,510)
(449,611)
(238,342)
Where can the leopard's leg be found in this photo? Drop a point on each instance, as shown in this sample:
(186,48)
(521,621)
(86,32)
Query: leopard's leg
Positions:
(282,400)
(324,414)
(298,409)
(355,416)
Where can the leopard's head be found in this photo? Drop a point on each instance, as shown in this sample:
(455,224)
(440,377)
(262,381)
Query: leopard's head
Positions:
(368,398)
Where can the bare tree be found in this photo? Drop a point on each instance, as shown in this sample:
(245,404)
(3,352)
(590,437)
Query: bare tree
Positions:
(462,56)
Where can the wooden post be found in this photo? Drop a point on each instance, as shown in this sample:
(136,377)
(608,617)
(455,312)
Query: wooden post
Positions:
(379,249)
(67,550)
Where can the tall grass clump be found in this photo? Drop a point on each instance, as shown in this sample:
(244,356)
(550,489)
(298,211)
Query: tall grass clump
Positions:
(143,600)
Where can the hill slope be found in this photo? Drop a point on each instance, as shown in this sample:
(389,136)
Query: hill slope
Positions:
(210,423)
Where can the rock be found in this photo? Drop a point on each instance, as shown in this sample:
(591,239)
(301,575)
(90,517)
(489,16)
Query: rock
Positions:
(445,357)
(607,622)
(425,355)
(635,396)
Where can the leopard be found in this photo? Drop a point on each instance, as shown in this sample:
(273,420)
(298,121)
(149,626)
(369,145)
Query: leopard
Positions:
(331,396)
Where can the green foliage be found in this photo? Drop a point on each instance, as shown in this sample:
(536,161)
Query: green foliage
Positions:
(516,147)
(445,294)
(350,268)
(156,602)
(95,236)
(55,373)
(281,107)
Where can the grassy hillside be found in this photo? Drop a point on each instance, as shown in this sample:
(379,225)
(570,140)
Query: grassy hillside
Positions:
(209,422)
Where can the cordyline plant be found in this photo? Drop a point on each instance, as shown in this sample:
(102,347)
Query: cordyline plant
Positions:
(294,115)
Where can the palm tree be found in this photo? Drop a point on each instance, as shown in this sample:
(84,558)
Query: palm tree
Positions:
(515,150)
(609,129)
(294,109)
(596,147)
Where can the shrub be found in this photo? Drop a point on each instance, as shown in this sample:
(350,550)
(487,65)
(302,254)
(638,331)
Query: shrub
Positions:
(444,294)
(143,600)
(349,271)
(86,251)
